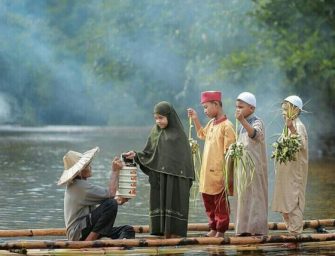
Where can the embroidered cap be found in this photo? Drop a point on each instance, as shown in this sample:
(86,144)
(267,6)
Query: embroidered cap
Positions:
(247,97)
(295,100)
(210,96)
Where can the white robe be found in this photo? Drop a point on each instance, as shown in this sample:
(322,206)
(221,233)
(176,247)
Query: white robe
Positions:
(291,178)
(252,206)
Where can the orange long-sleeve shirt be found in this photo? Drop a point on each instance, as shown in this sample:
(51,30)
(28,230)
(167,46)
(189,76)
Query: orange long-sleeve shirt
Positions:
(218,138)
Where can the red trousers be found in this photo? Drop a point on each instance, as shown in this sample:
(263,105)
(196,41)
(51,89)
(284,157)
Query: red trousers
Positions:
(217,210)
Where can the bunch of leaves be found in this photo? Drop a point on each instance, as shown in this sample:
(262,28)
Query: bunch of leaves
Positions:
(286,148)
(287,145)
(195,149)
(196,156)
(243,165)
(238,159)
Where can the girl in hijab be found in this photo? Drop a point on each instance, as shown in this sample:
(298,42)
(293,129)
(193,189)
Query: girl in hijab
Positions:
(167,160)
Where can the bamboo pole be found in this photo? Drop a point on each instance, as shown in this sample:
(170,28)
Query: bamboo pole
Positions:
(33,232)
(194,249)
(109,251)
(47,244)
(145,228)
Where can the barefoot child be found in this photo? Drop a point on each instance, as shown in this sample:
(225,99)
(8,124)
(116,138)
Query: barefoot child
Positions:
(252,204)
(167,160)
(218,135)
(291,178)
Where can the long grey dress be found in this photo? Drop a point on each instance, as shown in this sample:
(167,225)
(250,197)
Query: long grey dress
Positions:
(252,205)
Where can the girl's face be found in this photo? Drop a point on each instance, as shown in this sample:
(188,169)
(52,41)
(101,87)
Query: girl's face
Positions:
(245,108)
(210,109)
(161,121)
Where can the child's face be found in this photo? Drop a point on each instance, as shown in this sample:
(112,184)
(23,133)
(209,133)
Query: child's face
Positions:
(245,108)
(289,111)
(210,109)
(161,121)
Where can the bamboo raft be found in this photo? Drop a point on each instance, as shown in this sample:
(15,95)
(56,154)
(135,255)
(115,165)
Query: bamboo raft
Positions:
(194,227)
(48,244)
(158,245)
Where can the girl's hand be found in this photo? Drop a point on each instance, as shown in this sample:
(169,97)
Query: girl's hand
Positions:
(192,113)
(129,154)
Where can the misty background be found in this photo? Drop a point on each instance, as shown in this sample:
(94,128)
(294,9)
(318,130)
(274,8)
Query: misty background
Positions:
(107,63)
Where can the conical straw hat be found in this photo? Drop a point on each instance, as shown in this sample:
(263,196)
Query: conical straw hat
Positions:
(74,163)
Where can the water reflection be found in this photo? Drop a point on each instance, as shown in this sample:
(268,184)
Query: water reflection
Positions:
(31,163)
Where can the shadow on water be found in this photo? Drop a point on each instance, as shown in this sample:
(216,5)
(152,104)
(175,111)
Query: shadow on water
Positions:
(31,163)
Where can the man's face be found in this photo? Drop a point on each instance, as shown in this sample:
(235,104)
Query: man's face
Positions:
(87,172)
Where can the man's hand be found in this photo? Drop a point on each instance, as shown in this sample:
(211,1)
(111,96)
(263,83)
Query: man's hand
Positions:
(116,164)
(121,200)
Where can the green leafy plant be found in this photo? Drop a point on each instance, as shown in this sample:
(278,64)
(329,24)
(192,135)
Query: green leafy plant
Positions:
(239,159)
(196,154)
(287,145)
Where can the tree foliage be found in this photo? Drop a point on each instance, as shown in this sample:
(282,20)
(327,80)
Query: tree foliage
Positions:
(109,62)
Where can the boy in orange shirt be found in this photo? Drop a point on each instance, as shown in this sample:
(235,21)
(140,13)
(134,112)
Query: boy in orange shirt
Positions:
(218,135)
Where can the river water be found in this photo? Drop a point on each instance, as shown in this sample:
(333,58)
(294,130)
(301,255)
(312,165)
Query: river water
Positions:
(31,163)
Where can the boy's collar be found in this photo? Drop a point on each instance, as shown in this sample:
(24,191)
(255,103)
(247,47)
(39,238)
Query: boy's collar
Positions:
(249,117)
(221,119)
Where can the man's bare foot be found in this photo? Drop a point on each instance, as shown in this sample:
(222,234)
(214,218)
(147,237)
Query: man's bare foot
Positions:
(211,233)
(92,236)
(219,234)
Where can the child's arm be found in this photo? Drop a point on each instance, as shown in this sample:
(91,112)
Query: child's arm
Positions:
(290,126)
(250,130)
(193,114)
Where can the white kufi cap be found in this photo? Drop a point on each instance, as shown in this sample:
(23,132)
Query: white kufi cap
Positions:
(247,97)
(295,100)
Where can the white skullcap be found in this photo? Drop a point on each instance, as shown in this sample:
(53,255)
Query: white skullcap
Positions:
(247,97)
(295,100)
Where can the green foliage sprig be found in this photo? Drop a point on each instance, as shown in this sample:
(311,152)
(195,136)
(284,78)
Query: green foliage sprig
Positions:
(287,145)
(286,148)
(196,154)
(238,158)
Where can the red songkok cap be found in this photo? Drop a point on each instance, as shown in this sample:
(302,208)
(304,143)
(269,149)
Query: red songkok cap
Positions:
(210,96)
